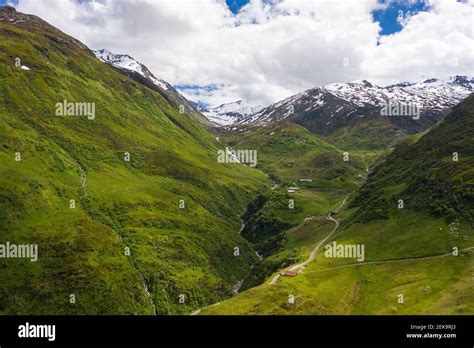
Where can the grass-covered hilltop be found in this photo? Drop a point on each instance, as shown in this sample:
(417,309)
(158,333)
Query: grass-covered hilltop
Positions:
(120,185)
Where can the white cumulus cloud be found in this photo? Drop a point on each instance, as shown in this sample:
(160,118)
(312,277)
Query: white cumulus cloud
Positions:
(270,49)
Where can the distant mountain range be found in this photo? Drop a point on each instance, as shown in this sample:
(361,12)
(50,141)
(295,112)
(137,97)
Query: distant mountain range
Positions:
(324,109)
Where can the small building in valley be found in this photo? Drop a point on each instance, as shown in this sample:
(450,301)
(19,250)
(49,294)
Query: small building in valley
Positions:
(289,274)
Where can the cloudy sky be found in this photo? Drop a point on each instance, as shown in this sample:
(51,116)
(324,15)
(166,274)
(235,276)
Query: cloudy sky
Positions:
(261,51)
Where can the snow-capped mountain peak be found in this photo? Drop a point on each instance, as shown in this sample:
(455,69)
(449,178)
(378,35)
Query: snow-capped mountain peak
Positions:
(124,61)
(444,92)
(129,65)
(463,80)
(230,113)
(326,106)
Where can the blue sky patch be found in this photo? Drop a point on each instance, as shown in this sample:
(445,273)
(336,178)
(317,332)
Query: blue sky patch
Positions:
(388,18)
(207,88)
(236,5)
(198,91)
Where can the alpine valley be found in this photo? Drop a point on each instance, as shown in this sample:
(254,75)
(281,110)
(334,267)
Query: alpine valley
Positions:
(132,212)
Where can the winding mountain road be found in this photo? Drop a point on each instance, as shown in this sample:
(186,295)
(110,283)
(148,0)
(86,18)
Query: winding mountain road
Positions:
(316,248)
(314,252)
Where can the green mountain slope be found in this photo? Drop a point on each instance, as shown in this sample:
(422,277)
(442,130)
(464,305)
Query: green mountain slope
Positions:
(289,152)
(434,174)
(418,259)
(126,247)
(372,133)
